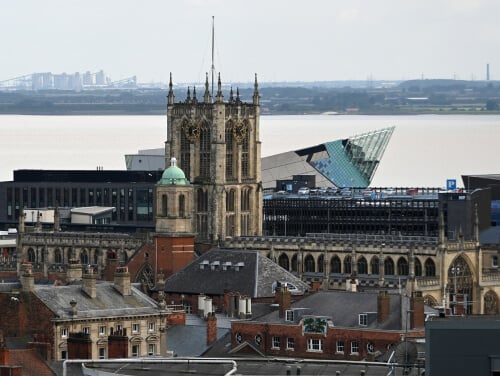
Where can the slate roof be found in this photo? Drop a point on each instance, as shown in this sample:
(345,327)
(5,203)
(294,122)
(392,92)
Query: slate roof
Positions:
(108,301)
(217,270)
(343,308)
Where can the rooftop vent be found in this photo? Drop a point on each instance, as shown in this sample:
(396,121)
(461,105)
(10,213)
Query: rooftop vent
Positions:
(239,265)
(215,265)
(226,265)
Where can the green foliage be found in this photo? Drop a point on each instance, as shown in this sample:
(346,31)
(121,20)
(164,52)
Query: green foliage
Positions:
(314,325)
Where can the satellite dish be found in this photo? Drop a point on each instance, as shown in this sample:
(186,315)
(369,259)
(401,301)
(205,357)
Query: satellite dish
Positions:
(406,354)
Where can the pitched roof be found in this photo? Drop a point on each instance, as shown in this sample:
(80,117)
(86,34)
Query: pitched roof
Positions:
(243,271)
(108,301)
(343,308)
(32,364)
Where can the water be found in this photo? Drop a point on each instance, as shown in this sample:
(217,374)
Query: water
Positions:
(424,150)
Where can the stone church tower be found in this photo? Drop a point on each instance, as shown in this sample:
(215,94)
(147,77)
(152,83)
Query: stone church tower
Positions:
(217,145)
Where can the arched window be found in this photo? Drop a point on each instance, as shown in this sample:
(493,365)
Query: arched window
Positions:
(418,268)
(335,265)
(230,200)
(84,257)
(388,266)
(348,265)
(402,266)
(321,261)
(244,154)
(362,266)
(205,149)
(202,200)
(294,263)
(430,268)
(309,264)
(229,149)
(245,199)
(246,218)
(58,259)
(164,205)
(182,206)
(374,263)
(284,262)
(31,255)
(430,300)
(185,163)
(490,303)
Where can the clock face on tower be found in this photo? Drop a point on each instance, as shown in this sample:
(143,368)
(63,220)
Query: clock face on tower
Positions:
(240,130)
(191,130)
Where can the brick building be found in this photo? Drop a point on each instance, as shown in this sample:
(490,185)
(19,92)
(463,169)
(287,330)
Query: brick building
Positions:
(331,325)
(87,319)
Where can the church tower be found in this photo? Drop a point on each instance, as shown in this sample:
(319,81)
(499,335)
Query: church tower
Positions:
(173,238)
(218,147)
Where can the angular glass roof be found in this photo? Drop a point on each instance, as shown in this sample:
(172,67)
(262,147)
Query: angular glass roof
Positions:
(352,162)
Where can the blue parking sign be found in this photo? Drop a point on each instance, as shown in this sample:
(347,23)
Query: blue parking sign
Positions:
(451,184)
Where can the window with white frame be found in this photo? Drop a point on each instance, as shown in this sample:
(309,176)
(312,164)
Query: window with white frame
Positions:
(135,328)
(290,343)
(494,261)
(340,346)
(64,332)
(151,326)
(102,330)
(289,315)
(86,330)
(119,328)
(276,342)
(151,349)
(135,351)
(314,344)
(354,347)
(363,319)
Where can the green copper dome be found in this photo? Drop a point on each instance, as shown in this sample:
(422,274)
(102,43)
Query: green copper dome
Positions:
(173,175)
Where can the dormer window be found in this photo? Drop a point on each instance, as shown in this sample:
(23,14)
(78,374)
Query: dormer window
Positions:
(204,264)
(289,315)
(239,265)
(226,265)
(363,319)
(215,265)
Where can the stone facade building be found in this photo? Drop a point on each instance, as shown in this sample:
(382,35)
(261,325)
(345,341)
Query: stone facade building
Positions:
(218,147)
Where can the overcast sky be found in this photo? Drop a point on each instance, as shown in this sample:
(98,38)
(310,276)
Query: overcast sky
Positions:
(281,40)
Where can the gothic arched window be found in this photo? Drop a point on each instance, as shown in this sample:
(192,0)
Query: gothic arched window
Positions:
(418,268)
(284,262)
(185,163)
(402,266)
(58,259)
(335,265)
(245,154)
(388,266)
(84,257)
(309,264)
(430,268)
(229,149)
(374,263)
(31,255)
(321,261)
(348,265)
(362,266)
(205,149)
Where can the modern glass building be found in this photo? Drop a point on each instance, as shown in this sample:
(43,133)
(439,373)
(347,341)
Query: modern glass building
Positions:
(349,162)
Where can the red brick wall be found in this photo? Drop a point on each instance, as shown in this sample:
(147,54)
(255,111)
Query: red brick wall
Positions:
(118,346)
(79,346)
(249,330)
(11,371)
(176,318)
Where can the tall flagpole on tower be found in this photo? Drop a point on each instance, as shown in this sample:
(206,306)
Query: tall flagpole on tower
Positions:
(213,65)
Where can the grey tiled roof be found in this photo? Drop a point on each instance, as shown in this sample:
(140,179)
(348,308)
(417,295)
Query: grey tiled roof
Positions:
(254,277)
(343,308)
(108,302)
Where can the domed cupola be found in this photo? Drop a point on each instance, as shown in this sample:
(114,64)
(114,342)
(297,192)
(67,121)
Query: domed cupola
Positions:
(173,175)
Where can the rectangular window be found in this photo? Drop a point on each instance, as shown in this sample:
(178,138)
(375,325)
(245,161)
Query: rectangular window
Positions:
(494,261)
(363,319)
(315,344)
(135,328)
(276,342)
(151,349)
(340,346)
(354,347)
(289,315)
(290,343)
(102,330)
(64,332)
(151,326)
(102,353)
(64,354)
(86,330)
(135,351)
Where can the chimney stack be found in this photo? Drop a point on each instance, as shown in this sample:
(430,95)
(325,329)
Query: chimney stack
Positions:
(383,306)
(27,278)
(284,298)
(89,283)
(122,281)
(4,352)
(417,316)
(74,272)
(211,328)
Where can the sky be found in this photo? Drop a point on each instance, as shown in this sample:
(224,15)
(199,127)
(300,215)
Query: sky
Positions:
(280,40)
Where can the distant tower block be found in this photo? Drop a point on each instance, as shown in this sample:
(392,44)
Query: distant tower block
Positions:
(487,72)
